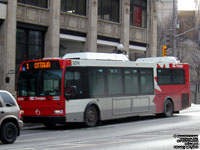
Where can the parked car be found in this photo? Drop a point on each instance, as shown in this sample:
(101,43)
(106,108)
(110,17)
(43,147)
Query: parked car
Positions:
(10,114)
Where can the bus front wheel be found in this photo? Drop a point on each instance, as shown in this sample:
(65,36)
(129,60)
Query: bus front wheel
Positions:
(91,116)
(168,108)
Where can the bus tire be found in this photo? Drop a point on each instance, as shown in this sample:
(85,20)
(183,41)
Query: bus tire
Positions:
(8,133)
(168,108)
(91,116)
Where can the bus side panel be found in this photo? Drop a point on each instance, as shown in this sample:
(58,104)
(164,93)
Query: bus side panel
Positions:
(179,94)
(111,108)
(75,108)
(133,105)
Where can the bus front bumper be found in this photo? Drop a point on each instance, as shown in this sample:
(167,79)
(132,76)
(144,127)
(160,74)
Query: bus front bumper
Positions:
(44,119)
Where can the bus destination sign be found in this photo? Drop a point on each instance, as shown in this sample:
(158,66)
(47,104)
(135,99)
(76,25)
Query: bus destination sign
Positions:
(41,65)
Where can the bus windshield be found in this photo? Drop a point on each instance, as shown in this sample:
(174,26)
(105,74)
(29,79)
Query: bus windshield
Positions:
(40,83)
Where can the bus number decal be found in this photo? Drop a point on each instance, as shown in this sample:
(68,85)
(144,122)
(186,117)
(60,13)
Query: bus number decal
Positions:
(176,65)
(75,63)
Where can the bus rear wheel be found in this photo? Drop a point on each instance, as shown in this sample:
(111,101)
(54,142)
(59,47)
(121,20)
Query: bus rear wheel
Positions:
(168,108)
(91,116)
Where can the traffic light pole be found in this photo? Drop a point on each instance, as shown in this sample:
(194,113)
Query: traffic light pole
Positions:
(187,31)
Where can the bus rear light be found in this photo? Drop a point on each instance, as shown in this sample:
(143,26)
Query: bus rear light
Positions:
(58,111)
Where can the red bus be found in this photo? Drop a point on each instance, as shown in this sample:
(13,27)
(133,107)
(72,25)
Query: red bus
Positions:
(92,87)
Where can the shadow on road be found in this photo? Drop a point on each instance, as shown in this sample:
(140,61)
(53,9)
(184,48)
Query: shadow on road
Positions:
(74,126)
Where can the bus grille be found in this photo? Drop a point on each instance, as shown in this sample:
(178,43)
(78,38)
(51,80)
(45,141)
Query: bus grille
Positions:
(185,100)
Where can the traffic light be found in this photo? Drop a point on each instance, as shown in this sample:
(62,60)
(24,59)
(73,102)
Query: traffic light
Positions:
(168,39)
(164,48)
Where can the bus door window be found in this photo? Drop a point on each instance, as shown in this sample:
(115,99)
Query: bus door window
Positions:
(73,84)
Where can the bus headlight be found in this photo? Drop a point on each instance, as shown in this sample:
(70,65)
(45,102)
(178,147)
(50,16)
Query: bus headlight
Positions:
(58,111)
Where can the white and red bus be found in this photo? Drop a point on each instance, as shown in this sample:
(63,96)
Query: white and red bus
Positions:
(92,87)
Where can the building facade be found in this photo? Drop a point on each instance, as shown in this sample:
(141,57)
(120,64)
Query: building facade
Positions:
(33,29)
(186,22)
(165,10)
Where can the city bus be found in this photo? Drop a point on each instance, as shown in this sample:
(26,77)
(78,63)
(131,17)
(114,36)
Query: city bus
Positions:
(94,87)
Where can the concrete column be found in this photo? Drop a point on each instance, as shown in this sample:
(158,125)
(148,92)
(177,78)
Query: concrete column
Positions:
(2,54)
(91,42)
(125,21)
(153,29)
(52,37)
(8,48)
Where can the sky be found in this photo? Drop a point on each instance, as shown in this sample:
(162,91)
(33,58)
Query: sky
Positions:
(186,5)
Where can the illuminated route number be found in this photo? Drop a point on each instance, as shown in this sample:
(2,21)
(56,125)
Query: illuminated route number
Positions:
(41,65)
(27,66)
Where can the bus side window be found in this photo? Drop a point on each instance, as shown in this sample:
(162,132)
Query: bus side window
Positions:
(171,76)
(131,81)
(147,86)
(96,82)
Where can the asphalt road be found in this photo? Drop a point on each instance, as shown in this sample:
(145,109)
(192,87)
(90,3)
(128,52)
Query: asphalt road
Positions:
(137,133)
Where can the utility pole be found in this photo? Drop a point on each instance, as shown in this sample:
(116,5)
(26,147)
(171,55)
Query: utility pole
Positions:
(174,28)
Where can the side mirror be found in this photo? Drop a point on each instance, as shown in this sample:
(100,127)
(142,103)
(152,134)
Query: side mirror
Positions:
(7,79)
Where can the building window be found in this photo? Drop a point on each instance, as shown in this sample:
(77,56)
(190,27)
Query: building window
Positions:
(74,6)
(138,13)
(38,3)
(108,10)
(30,45)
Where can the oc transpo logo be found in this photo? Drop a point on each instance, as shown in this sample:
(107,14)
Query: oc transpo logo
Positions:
(37,112)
